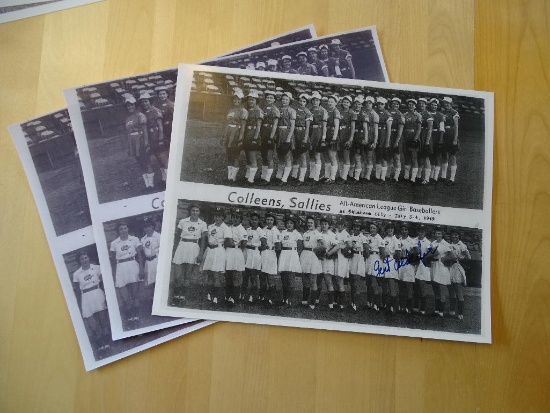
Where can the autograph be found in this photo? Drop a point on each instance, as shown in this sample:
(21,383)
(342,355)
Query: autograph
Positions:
(383,266)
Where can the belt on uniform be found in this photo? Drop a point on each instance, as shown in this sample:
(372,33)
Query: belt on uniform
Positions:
(308,249)
(87,290)
(270,248)
(381,127)
(135,133)
(315,126)
(344,127)
(282,127)
(125,260)
(151,258)
(194,241)
(357,252)
(290,248)
(251,127)
(233,126)
(267,125)
(251,247)
(213,246)
(449,127)
(410,130)
(300,127)
(152,129)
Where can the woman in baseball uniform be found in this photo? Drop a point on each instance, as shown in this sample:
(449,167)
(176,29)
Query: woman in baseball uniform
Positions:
(318,135)
(150,244)
(329,145)
(441,276)
(357,262)
(420,258)
(88,277)
(450,140)
(436,139)
(127,253)
(411,140)
(374,252)
(426,146)
(251,137)
(301,138)
(343,251)
(267,136)
(166,107)
(255,243)
(285,138)
(311,265)
(192,232)
(392,247)
(406,270)
(234,256)
(327,241)
(394,146)
(369,142)
(384,133)
(346,134)
(136,126)
(219,236)
(289,260)
(233,135)
(269,253)
(157,150)
(458,275)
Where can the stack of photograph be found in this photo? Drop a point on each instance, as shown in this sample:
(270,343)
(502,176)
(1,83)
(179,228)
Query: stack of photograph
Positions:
(330,203)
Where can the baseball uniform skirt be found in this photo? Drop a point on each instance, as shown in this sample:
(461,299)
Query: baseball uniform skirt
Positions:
(328,266)
(458,275)
(369,263)
(93,302)
(357,265)
(422,272)
(126,273)
(440,273)
(186,253)
(289,261)
(393,272)
(253,260)
(407,273)
(151,271)
(214,259)
(234,259)
(310,263)
(269,262)
(341,266)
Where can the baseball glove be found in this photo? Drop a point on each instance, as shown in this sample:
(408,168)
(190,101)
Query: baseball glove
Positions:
(283,148)
(322,146)
(347,252)
(302,147)
(448,259)
(426,150)
(414,144)
(453,149)
(321,252)
(413,256)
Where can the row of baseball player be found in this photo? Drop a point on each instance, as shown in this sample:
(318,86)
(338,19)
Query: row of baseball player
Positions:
(149,129)
(326,60)
(361,137)
(246,257)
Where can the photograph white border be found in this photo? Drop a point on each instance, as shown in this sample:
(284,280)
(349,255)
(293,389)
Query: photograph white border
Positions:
(60,245)
(39,9)
(177,189)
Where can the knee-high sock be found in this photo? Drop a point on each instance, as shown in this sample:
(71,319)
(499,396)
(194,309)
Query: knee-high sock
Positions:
(303,171)
(378,171)
(345,171)
(247,172)
(317,171)
(357,172)
(327,170)
(268,174)
(286,173)
(229,172)
(369,172)
(333,172)
(413,174)
(251,174)
(436,172)
(453,172)
(383,171)
(151,178)
(280,171)
(264,171)
(407,171)
(312,169)
(295,169)
(146,180)
(164,171)
(427,173)
(444,167)
(397,172)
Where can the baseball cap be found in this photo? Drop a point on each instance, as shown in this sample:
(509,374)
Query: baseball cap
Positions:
(336,41)
(239,93)
(305,96)
(272,62)
(396,99)
(129,99)
(315,95)
(312,49)
(357,222)
(250,66)
(270,92)
(286,57)
(447,99)
(159,88)
(302,54)
(348,97)
(412,100)
(434,100)
(253,94)
(288,94)
(260,64)
(370,99)
(145,95)
(219,211)
(334,96)
(359,98)
(323,46)
(381,100)
(423,100)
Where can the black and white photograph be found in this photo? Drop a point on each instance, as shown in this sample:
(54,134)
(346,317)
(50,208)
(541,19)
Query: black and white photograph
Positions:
(11,10)
(336,139)
(280,264)
(354,54)
(133,249)
(284,147)
(47,155)
(50,141)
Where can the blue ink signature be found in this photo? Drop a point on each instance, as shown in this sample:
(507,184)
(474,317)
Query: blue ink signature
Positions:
(383,266)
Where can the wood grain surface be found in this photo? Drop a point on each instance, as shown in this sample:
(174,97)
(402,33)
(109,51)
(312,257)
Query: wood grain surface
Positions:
(500,46)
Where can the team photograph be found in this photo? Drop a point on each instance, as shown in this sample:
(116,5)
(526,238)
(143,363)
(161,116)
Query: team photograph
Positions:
(51,144)
(351,55)
(346,269)
(133,244)
(328,138)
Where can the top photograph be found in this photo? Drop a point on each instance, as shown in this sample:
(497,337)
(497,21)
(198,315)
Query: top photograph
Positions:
(350,55)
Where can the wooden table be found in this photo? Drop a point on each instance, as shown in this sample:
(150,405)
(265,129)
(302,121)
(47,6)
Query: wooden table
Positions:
(501,46)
